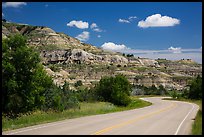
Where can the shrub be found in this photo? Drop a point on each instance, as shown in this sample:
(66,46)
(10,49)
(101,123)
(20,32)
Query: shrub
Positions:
(114,89)
(60,99)
(195,91)
(21,73)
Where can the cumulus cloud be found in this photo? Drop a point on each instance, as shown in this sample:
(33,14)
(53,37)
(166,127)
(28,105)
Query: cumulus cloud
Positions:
(113,47)
(157,20)
(123,21)
(84,36)
(98,36)
(79,24)
(2,14)
(13,4)
(175,50)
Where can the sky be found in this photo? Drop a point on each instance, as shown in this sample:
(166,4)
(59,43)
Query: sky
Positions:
(171,30)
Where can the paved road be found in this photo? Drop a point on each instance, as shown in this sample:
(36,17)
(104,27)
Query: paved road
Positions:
(162,118)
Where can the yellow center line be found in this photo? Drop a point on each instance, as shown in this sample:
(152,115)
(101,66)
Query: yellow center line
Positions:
(133,120)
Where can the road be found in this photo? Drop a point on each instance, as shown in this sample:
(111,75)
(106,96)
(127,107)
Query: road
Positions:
(163,117)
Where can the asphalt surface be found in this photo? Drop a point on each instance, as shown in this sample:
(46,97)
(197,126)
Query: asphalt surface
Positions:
(163,117)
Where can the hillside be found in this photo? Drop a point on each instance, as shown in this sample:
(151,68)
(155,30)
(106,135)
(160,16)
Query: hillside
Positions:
(67,59)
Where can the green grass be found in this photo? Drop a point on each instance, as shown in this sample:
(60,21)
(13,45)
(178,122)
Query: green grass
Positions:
(197,125)
(39,117)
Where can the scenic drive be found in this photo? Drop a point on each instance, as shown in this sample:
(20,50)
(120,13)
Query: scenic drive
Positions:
(101,68)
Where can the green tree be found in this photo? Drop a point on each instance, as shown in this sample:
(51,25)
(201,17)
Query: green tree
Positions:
(130,55)
(154,90)
(114,89)
(23,77)
(195,91)
(161,90)
(60,98)
(69,97)
(52,99)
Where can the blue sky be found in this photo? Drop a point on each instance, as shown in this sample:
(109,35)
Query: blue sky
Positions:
(171,30)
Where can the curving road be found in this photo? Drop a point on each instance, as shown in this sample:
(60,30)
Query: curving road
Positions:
(163,117)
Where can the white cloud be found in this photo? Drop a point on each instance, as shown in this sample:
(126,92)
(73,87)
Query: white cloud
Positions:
(99,36)
(2,14)
(93,25)
(132,17)
(113,47)
(123,21)
(79,24)
(13,4)
(175,50)
(97,30)
(127,20)
(157,20)
(84,36)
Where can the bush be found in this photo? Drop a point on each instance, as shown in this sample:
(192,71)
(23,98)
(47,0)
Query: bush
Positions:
(52,99)
(21,73)
(130,55)
(175,95)
(114,89)
(86,95)
(60,99)
(195,91)
(69,97)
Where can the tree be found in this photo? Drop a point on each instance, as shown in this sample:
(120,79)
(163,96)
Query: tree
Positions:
(114,89)
(162,90)
(23,77)
(153,90)
(195,91)
(130,55)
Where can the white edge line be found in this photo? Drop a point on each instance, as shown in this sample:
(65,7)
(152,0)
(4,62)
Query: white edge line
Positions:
(184,119)
(30,128)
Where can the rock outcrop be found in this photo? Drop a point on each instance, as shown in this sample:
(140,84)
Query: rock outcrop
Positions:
(79,56)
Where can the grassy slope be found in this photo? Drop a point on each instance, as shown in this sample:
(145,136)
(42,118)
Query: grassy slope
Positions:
(86,109)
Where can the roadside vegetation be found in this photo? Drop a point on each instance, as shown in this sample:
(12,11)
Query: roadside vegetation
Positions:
(193,95)
(29,96)
(85,109)
(140,90)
